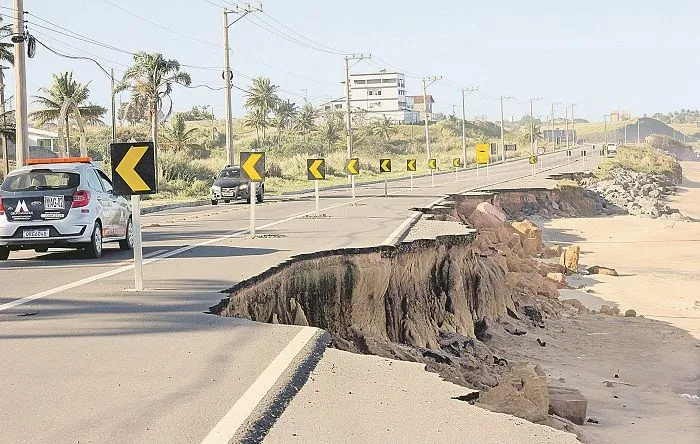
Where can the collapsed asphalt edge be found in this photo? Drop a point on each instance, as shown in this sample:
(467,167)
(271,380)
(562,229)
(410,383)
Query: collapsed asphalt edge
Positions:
(283,394)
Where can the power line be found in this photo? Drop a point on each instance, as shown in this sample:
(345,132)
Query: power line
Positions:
(262,24)
(162,27)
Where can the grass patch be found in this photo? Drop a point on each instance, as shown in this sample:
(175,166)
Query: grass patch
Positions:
(642,159)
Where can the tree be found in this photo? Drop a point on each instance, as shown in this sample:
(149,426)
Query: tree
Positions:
(285,114)
(7,51)
(537,133)
(53,98)
(258,120)
(331,130)
(151,79)
(306,120)
(177,137)
(134,111)
(262,96)
(198,113)
(63,99)
(383,128)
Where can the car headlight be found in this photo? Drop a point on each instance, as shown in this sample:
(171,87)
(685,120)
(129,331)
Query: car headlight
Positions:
(216,189)
(243,186)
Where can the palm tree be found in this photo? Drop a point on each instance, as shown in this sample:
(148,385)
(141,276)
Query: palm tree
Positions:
(151,79)
(7,52)
(262,96)
(537,133)
(306,120)
(258,120)
(285,113)
(331,130)
(383,128)
(177,137)
(64,87)
(66,94)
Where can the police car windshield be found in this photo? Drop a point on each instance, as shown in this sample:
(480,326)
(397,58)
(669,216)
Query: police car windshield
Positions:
(231,173)
(37,180)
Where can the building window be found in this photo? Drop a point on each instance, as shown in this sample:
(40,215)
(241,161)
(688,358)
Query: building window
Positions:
(360,82)
(327,107)
(374,81)
(388,80)
(378,92)
(369,92)
(338,106)
(402,92)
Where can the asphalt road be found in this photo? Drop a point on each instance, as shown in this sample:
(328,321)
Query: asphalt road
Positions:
(84,359)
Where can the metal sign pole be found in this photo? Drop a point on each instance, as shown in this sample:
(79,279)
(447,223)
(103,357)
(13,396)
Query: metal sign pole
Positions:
(138,244)
(456,174)
(432,177)
(386,187)
(487,169)
(477,171)
(411,180)
(352,184)
(251,194)
(317,197)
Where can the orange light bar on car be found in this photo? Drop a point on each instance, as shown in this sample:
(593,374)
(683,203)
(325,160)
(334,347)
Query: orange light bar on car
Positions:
(59,160)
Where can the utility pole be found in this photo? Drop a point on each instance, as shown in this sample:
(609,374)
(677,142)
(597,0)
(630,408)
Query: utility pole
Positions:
(425,107)
(605,130)
(638,133)
(566,117)
(503,137)
(213,122)
(114,111)
(348,114)
(573,123)
(554,139)
(22,128)
(532,127)
(3,139)
(228,74)
(464,125)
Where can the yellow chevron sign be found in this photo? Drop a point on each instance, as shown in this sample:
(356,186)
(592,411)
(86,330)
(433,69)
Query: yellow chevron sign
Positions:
(133,168)
(411,165)
(385,165)
(456,162)
(253,166)
(353,166)
(482,153)
(432,164)
(315,169)
(533,160)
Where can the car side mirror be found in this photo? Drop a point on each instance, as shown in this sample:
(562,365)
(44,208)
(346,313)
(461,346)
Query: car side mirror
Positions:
(213,177)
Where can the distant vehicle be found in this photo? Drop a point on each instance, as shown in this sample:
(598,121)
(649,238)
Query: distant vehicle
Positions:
(611,149)
(62,203)
(230,186)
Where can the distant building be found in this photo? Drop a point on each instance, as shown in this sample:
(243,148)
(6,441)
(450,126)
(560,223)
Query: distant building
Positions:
(617,116)
(559,135)
(419,106)
(42,143)
(376,95)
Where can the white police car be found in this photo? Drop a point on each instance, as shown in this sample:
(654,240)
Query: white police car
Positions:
(62,203)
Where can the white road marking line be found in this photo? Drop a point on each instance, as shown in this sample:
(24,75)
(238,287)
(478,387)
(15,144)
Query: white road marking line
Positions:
(172,253)
(227,427)
(399,232)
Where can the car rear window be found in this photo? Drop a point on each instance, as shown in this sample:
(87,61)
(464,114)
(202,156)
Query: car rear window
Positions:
(37,180)
(231,173)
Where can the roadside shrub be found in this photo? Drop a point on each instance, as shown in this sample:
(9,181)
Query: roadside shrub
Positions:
(274,170)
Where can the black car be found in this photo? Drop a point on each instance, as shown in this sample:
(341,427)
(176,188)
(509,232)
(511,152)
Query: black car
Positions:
(230,186)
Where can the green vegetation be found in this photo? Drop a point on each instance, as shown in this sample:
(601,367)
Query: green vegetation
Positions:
(683,116)
(65,88)
(7,50)
(642,159)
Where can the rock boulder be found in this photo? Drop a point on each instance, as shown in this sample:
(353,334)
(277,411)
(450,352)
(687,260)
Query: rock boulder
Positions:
(568,403)
(531,236)
(522,392)
(570,258)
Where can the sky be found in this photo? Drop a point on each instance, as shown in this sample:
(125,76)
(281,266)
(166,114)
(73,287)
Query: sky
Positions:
(639,56)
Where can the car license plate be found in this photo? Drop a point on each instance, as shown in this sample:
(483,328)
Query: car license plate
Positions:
(36,233)
(227,192)
(54,203)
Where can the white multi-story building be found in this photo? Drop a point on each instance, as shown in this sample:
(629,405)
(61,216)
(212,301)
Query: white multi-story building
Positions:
(375,95)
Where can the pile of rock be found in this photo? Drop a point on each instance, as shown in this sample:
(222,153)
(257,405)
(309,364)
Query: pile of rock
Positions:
(639,194)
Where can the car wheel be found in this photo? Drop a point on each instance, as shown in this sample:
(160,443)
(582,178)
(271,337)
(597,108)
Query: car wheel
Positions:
(227,201)
(41,250)
(214,202)
(94,249)
(128,242)
(4,253)
(260,197)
